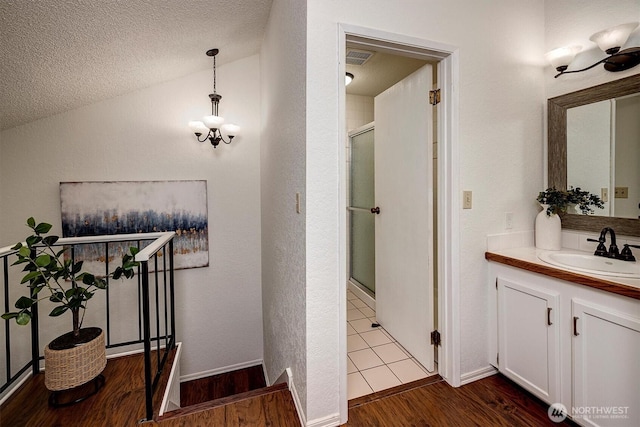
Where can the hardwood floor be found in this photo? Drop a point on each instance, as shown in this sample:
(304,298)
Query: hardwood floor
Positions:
(120,402)
(271,409)
(493,401)
(222,385)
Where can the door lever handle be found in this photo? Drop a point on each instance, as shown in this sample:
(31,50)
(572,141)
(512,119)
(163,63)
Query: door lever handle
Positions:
(375,210)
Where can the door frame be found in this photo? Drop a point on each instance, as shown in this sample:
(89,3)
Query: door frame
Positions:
(448,204)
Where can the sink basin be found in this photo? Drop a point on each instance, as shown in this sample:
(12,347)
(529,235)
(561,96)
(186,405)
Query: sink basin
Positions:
(589,263)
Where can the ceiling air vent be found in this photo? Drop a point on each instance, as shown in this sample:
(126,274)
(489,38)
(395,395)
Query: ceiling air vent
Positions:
(358,57)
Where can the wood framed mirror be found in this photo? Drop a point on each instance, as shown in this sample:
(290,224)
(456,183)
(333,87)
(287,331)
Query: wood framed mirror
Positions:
(557,150)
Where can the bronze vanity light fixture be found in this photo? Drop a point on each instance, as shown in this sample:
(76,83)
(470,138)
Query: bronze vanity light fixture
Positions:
(212,126)
(610,41)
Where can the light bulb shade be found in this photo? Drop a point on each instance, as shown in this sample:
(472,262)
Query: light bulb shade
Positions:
(348,78)
(231,129)
(612,39)
(197,126)
(561,58)
(213,122)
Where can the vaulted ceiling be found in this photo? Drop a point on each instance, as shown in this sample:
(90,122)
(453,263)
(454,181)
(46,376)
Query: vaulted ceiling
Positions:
(57,55)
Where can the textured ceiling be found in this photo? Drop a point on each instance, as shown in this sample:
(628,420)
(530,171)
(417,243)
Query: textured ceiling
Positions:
(57,55)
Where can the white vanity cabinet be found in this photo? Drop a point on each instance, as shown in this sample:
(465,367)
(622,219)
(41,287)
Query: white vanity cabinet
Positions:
(606,363)
(528,336)
(567,343)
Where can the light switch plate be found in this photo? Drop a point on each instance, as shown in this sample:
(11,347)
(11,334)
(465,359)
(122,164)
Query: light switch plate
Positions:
(467,199)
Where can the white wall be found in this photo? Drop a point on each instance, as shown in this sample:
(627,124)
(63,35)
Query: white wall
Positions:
(359,111)
(144,136)
(500,134)
(283,57)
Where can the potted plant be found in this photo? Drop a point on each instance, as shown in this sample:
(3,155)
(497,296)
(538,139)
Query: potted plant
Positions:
(556,203)
(79,356)
(560,201)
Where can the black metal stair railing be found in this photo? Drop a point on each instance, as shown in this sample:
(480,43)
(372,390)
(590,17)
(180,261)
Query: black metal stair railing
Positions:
(155,297)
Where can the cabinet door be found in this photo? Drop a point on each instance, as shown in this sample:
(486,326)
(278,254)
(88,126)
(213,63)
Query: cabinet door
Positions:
(528,337)
(606,366)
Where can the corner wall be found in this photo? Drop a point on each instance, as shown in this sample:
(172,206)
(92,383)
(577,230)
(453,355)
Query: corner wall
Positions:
(501,95)
(283,84)
(144,136)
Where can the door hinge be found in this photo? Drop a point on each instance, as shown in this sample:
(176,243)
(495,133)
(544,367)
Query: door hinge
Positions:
(434,97)
(435,338)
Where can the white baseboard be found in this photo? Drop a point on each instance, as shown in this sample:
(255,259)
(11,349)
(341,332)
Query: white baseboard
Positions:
(365,297)
(222,370)
(476,375)
(329,421)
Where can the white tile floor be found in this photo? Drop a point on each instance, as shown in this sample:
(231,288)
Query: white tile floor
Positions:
(375,360)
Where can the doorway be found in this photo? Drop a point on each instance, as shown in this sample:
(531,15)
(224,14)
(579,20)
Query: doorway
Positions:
(448,202)
(391,224)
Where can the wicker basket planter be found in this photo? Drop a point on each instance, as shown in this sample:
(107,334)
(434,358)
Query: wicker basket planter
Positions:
(72,367)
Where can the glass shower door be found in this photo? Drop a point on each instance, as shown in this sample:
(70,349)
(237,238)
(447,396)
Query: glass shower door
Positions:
(362,252)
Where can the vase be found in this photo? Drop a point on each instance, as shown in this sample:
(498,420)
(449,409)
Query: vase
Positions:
(548,230)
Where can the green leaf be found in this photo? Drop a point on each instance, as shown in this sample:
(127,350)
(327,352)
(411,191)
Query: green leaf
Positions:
(24,251)
(17,246)
(8,316)
(77,267)
(24,302)
(58,311)
(31,222)
(88,279)
(23,318)
(42,228)
(43,260)
(100,284)
(133,250)
(30,276)
(50,240)
(33,240)
(56,297)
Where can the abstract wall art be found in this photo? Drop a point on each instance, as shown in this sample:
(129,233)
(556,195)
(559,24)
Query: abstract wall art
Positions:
(122,207)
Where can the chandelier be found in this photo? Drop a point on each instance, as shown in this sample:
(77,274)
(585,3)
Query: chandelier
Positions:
(212,127)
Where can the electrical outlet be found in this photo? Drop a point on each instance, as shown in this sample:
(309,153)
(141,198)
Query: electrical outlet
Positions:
(466,199)
(604,194)
(622,193)
(508,220)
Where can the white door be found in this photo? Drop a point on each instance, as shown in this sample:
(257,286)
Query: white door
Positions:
(404,226)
